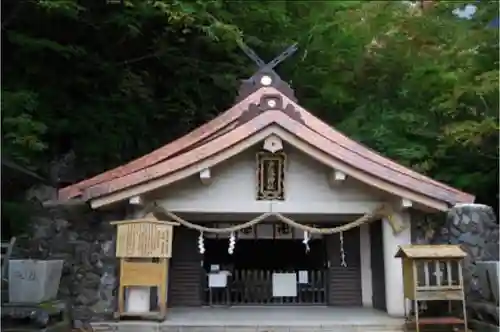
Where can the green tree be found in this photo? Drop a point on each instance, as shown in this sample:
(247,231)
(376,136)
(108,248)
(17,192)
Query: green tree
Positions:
(111,82)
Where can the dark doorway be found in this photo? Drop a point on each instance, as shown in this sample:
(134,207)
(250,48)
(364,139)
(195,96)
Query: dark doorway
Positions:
(265,254)
(252,265)
(377,262)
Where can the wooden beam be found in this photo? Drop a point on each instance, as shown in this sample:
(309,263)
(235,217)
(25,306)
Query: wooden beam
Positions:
(75,202)
(406,203)
(136,200)
(336,177)
(205,176)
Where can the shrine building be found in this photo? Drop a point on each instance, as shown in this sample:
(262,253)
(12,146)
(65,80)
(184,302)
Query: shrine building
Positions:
(275,207)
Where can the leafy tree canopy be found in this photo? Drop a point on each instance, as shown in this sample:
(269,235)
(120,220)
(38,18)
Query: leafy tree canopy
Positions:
(111,81)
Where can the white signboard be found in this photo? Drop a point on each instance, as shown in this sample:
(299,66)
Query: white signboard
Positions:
(284,284)
(217,280)
(303,277)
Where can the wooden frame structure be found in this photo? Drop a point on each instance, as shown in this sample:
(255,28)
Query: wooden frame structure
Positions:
(432,273)
(144,247)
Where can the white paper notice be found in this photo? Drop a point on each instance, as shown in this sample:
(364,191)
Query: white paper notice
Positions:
(303,277)
(214,268)
(217,280)
(138,299)
(284,284)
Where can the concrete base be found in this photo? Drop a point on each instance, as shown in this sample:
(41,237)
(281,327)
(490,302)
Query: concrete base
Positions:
(263,319)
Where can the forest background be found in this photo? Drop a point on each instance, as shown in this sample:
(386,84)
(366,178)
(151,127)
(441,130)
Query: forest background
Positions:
(93,84)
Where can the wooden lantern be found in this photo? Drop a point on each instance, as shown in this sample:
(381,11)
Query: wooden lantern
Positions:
(144,247)
(432,273)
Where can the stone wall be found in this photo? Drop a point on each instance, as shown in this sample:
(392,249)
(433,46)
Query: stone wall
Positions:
(472,226)
(84,240)
(475,229)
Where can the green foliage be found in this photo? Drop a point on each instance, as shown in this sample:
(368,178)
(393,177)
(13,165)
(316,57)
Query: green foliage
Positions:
(113,82)
(21,133)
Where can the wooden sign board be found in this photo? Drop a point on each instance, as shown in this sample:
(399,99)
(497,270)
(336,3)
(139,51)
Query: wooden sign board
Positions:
(143,238)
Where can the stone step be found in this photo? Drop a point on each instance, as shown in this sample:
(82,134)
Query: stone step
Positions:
(158,327)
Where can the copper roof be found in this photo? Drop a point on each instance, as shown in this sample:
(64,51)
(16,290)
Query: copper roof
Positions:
(422,251)
(244,120)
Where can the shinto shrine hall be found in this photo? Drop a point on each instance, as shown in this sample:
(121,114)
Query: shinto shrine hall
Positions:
(275,208)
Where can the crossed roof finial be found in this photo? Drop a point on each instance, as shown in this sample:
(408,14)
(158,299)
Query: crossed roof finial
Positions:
(265,75)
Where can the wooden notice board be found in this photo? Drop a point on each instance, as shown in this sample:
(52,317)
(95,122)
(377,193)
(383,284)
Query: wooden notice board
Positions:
(144,247)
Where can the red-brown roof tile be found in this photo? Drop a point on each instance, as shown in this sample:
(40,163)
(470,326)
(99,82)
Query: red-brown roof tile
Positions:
(284,121)
(185,142)
(214,137)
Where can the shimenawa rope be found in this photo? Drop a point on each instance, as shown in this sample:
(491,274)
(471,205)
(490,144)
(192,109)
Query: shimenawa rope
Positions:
(369,217)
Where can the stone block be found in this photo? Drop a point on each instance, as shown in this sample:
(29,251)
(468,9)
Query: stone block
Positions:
(339,329)
(170,329)
(138,327)
(315,328)
(34,281)
(240,329)
(488,274)
(103,327)
(202,329)
(273,329)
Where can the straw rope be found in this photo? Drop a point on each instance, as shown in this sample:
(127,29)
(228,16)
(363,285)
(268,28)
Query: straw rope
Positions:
(380,211)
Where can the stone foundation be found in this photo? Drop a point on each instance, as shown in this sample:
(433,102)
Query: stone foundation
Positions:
(84,240)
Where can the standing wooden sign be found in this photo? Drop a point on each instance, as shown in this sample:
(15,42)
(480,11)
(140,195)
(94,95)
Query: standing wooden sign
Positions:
(144,247)
(433,273)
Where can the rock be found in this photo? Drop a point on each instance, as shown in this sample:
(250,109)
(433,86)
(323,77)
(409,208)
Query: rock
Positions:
(41,193)
(92,280)
(42,228)
(61,224)
(85,243)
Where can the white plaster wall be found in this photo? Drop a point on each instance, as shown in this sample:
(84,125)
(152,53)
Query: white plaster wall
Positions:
(233,190)
(393,270)
(366,265)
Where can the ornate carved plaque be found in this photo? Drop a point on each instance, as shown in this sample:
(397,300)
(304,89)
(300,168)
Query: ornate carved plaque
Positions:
(271,176)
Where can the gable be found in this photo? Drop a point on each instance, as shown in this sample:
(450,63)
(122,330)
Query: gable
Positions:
(233,189)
